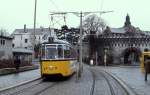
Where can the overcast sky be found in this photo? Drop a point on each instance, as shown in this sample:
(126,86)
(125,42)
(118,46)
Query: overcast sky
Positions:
(15,13)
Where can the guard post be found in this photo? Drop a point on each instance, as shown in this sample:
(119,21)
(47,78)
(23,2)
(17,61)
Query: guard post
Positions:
(105,56)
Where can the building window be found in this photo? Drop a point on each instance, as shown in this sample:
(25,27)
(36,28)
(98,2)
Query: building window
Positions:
(26,40)
(2,42)
(13,45)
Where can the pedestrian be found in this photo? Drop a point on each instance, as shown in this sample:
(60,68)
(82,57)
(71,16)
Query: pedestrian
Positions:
(17,63)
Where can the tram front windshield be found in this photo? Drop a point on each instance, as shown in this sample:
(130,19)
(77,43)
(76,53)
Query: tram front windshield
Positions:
(52,52)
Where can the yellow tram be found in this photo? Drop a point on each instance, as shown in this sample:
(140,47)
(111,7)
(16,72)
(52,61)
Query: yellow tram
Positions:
(145,56)
(58,58)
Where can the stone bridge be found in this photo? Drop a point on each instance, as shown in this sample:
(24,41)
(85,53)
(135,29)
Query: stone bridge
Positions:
(122,45)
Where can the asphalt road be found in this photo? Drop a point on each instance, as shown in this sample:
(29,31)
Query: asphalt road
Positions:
(93,82)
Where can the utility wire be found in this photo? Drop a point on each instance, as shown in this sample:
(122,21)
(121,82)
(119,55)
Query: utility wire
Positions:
(53,3)
(101,7)
(54,21)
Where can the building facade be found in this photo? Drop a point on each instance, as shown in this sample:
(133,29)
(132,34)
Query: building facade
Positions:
(120,45)
(24,38)
(5,47)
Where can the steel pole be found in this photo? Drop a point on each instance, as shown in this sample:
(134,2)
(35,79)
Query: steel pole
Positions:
(96,58)
(34,28)
(80,59)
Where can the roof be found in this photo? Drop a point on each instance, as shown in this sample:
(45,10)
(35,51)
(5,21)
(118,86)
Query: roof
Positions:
(146,32)
(128,29)
(118,30)
(61,41)
(22,50)
(31,30)
(6,37)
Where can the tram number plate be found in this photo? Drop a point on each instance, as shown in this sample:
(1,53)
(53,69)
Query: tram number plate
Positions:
(52,67)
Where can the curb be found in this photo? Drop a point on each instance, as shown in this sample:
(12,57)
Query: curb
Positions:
(22,83)
(129,66)
(7,71)
(126,66)
(122,83)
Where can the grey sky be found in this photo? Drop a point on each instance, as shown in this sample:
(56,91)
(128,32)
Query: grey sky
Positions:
(15,13)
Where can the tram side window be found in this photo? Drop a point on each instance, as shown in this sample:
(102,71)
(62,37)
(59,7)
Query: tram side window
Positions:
(73,53)
(67,52)
(43,52)
(60,51)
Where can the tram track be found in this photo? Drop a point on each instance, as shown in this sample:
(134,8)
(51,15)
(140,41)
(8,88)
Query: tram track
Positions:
(21,85)
(126,87)
(44,89)
(25,88)
(30,88)
(109,80)
(21,88)
(93,83)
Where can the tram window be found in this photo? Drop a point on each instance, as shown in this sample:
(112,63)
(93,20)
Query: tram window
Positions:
(73,53)
(51,52)
(43,52)
(66,52)
(60,51)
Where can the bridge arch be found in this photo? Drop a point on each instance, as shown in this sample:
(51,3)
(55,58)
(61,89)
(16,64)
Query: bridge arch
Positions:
(131,55)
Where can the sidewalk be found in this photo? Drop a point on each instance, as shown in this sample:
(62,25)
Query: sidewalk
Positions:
(132,76)
(10,80)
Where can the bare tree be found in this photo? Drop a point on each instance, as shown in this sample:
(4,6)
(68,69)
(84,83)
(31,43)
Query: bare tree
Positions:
(31,39)
(94,23)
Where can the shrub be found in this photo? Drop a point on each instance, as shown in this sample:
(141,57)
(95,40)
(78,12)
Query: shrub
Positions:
(9,63)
